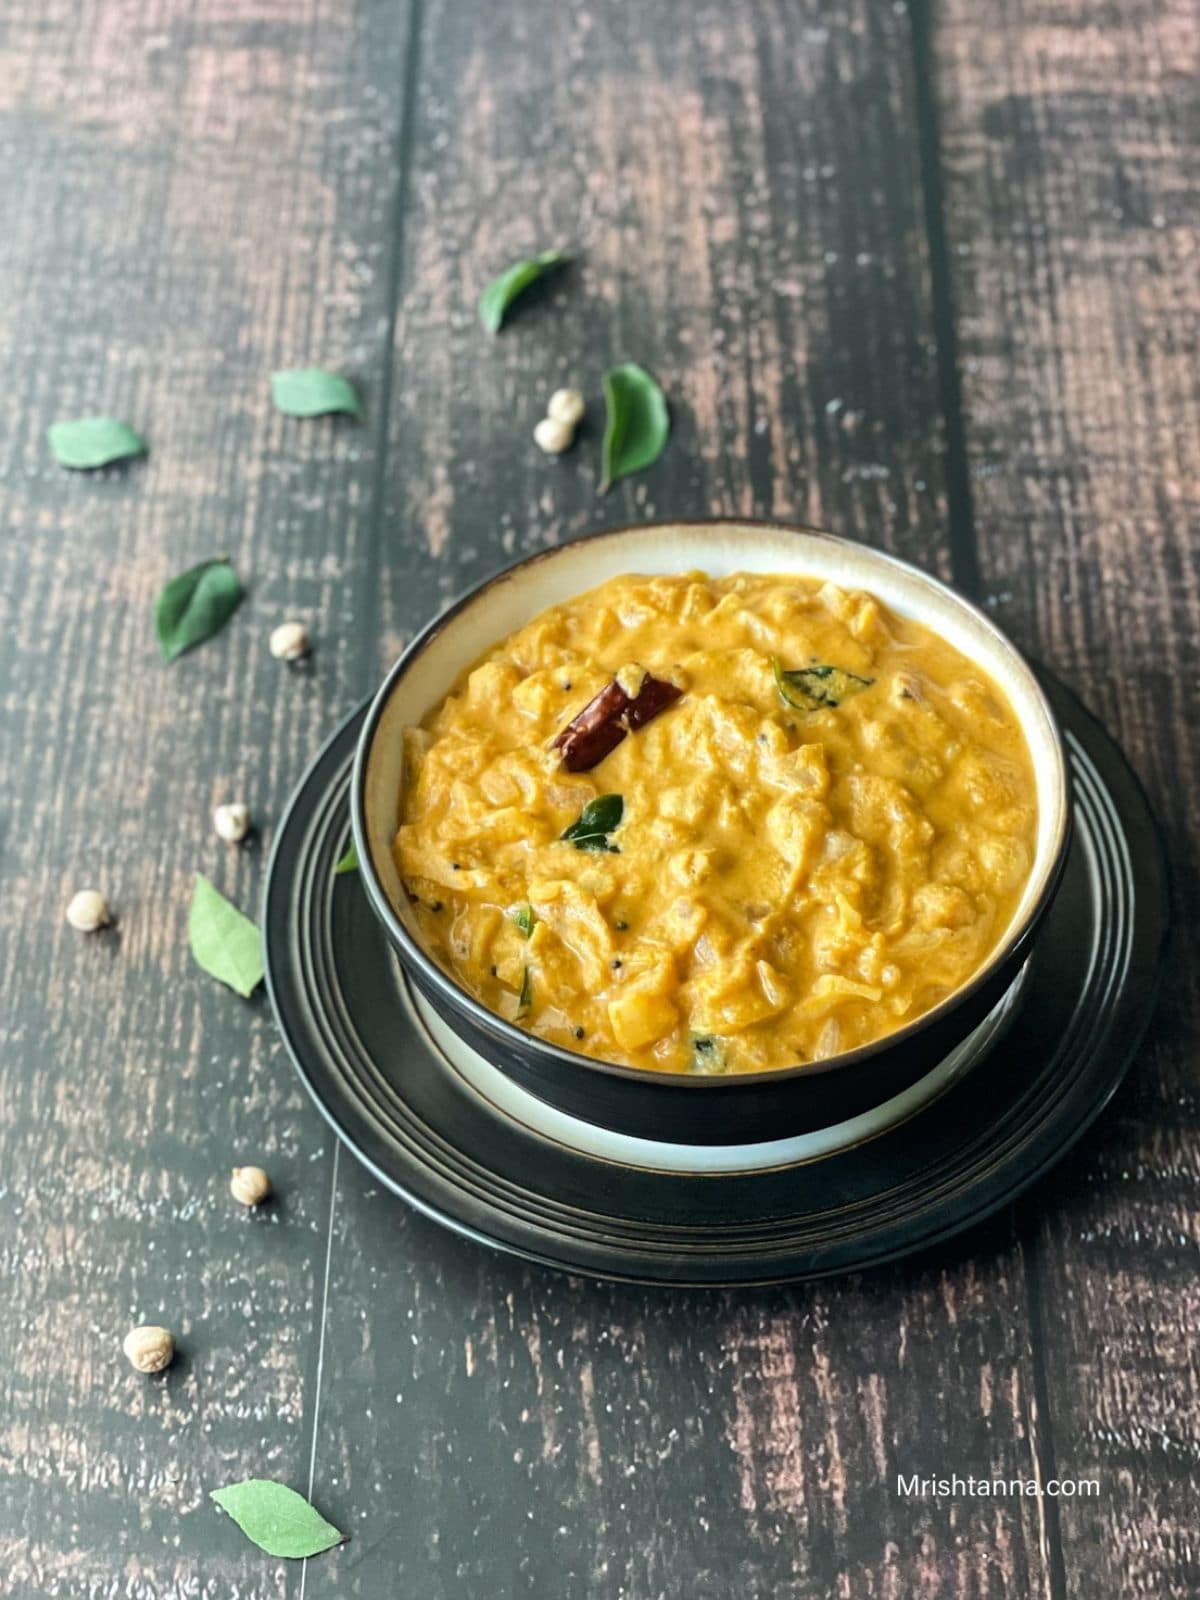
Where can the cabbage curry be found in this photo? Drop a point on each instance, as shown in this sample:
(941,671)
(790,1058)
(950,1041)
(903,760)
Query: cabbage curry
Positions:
(717,825)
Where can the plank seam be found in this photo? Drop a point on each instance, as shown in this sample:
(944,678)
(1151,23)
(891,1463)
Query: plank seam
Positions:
(403,167)
(960,508)
(965,569)
(318,1381)
(1045,1452)
(395,268)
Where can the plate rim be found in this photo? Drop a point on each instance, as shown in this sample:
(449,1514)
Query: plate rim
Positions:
(1151,918)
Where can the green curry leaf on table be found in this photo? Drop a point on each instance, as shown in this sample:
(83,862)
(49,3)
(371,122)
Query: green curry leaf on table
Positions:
(314,392)
(225,943)
(499,295)
(88,442)
(195,605)
(277,1519)
(637,423)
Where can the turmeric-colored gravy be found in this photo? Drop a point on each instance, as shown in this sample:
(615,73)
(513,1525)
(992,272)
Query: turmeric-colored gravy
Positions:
(824,834)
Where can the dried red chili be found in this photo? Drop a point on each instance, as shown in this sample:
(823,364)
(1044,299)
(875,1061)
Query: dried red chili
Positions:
(608,717)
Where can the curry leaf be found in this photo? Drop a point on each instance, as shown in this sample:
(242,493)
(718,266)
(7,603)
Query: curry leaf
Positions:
(348,862)
(94,442)
(523,917)
(708,1056)
(503,290)
(595,822)
(817,688)
(525,999)
(224,942)
(313,392)
(636,424)
(277,1519)
(195,605)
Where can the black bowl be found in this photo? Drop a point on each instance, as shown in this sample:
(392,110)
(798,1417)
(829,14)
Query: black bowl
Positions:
(662,1105)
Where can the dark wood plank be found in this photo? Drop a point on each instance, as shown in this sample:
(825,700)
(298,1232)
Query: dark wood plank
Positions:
(1073,189)
(488,1428)
(191,197)
(742,189)
(194,202)
(743,198)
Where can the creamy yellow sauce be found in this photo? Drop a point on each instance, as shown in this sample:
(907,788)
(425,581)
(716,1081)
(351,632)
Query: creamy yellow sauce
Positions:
(787,880)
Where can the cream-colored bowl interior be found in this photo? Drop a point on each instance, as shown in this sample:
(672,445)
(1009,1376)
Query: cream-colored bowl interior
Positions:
(718,548)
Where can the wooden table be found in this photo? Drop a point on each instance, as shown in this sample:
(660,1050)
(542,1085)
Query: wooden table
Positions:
(925,276)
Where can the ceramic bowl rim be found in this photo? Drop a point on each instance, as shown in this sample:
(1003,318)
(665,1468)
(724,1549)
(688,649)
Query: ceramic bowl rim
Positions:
(529,1043)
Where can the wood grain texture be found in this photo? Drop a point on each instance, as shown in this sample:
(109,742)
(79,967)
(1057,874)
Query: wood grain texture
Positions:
(1072,149)
(192,197)
(743,196)
(488,1429)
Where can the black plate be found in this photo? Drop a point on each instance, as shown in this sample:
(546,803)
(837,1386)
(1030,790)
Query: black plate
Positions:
(337,994)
